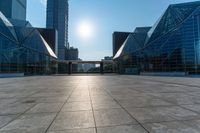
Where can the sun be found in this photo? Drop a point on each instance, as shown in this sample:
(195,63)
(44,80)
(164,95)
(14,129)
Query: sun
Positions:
(85,30)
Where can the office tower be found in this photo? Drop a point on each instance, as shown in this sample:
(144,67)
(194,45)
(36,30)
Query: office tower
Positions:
(171,45)
(72,53)
(13,9)
(57,18)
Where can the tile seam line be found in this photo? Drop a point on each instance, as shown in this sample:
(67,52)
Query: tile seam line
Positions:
(18,116)
(61,109)
(125,110)
(92,106)
(72,129)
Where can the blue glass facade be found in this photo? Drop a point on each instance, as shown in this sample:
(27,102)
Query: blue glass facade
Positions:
(23,49)
(14,9)
(172,44)
(57,18)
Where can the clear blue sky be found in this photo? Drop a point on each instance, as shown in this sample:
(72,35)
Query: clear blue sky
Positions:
(106,16)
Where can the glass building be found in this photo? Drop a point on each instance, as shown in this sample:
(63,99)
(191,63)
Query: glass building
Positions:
(23,49)
(57,18)
(118,39)
(14,9)
(50,36)
(171,45)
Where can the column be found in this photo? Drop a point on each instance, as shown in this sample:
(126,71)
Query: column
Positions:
(101,68)
(70,68)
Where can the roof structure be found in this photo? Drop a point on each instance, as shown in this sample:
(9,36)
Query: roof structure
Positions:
(171,20)
(134,41)
(24,36)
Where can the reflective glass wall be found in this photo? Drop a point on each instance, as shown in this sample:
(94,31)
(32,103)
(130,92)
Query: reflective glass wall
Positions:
(171,45)
(24,50)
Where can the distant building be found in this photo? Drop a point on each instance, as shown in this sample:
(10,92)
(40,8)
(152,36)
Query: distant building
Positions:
(72,53)
(80,66)
(107,58)
(14,9)
(171,45)
(57,18)
(87,67)
(118,40)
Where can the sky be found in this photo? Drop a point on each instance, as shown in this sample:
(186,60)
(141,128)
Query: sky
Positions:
(103,17)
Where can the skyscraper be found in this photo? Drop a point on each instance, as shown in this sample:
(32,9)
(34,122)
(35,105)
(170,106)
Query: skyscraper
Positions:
(57,18)
(14,9)
(72,53)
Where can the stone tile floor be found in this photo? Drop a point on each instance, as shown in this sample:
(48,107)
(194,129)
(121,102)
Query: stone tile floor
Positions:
(100,104)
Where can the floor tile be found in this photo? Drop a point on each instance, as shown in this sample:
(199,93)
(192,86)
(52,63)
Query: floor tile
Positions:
(154,114)
(73,120)
(89,130)
(46,108)
(110,117)
(15,108)
(170,127)
(195,107)
(6,119)
(143,102)
(77,106)
(29,124)
(122,129)
(105,104)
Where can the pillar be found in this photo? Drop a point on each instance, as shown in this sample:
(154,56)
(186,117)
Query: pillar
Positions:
(70,68)
(101,68)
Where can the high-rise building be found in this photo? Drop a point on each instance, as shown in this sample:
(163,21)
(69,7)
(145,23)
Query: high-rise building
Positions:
(14,9)
(107,58)
(171,45)
(57,18)
(72,53)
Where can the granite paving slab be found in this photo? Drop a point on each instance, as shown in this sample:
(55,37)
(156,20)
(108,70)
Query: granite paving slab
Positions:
(100,104)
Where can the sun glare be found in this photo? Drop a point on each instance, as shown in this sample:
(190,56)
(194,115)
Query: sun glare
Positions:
(85,30)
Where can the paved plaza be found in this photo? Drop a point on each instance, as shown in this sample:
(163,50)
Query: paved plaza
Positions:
(99,104)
